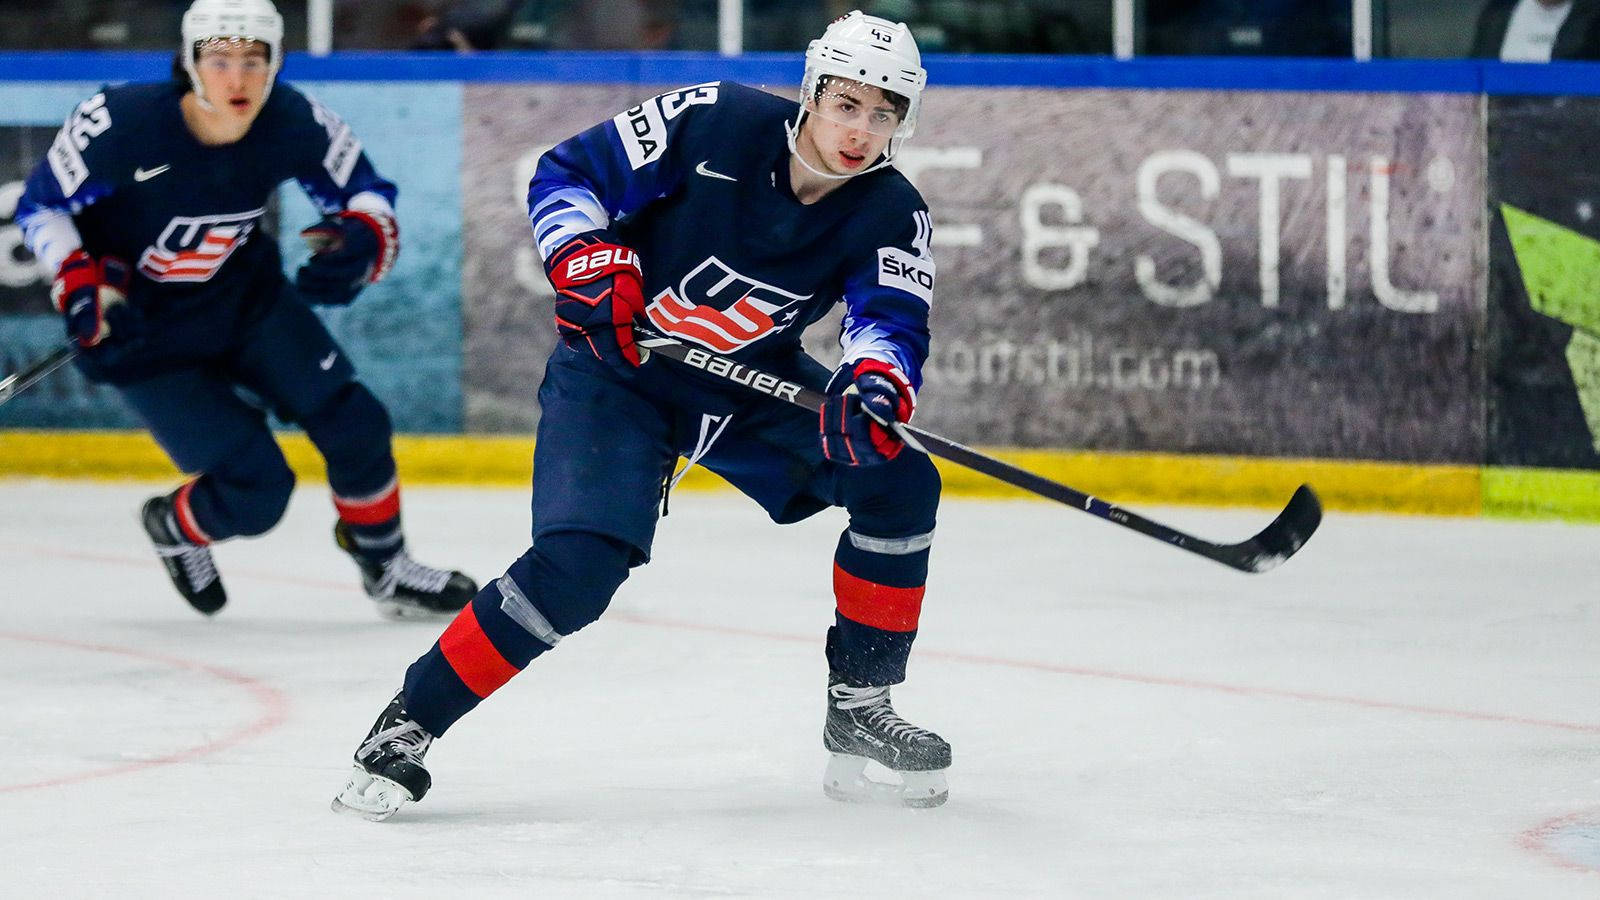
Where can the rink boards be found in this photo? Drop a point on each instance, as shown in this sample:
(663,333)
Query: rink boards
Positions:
(506,460)
(1202,281)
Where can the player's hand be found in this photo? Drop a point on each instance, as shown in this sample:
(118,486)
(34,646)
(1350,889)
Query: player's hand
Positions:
(865,399)
(348,252)
(599,291)
(92,295)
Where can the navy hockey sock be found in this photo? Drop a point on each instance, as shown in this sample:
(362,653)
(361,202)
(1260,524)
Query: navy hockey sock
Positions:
(374,522)
(353,433)
(878,584)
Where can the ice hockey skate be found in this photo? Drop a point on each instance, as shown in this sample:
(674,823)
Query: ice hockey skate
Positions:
(190,565)
(388,772)
(406,589)
(862,728)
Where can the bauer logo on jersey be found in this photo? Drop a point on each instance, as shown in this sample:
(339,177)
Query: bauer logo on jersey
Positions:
(912,274)
(193,248)
(718,308)
(643,129)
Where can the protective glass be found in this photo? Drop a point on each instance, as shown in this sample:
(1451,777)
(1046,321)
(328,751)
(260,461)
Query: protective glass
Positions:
(856,106)
(223,55)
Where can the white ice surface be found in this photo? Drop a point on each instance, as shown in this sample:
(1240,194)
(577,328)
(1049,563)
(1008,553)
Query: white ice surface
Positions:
(1410,708)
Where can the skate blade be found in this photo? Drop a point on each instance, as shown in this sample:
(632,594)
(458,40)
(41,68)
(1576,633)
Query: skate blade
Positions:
(372,797)
(846,780)
(400,611)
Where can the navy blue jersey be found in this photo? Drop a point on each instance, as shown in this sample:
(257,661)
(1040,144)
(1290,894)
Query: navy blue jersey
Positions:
(126,177)
(697,181)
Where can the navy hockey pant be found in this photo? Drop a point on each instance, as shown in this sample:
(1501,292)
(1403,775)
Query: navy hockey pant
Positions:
(603,450)
(286,361)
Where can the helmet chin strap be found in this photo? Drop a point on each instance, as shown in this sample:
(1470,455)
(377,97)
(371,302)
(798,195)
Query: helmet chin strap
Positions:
(792,130)
(196,88)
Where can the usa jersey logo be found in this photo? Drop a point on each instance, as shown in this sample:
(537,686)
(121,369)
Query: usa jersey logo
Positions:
(719,309)
(193,248)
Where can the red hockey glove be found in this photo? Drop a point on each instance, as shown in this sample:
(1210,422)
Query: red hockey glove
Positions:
(865,399)
(599,292)
(91,296)
(348,252)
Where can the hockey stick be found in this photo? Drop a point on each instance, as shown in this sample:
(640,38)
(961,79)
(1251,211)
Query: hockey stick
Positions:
(1270,547)
(27,378)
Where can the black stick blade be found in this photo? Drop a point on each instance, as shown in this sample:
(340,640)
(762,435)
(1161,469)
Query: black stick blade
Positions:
(1279,540)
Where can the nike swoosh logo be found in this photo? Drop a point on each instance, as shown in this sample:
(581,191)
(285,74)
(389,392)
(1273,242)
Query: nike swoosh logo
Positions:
(147,174)
(702,170)
(328,363)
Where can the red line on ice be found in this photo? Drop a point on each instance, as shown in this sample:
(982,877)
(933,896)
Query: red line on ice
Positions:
(975,659)
(1154,680)
(1537,840)
(273,705)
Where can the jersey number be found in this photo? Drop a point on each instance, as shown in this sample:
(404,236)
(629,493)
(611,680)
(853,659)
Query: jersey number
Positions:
(89,121)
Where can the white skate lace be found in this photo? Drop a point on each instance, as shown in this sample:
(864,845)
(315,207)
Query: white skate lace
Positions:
(196,560)
(403,571)
(408,739)
(879,713)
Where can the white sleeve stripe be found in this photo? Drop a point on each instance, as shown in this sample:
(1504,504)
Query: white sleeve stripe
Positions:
(924,238)
(864,341)
(52,237)
(568,225)
(577,198)
(371,203)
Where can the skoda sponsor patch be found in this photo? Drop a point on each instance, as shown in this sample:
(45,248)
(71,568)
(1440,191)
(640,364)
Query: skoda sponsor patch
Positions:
(643,133)
(912,274)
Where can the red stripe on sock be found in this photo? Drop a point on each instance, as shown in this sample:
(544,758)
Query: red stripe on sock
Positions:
(374,510)
(480,666)
(185,516)
(877,605)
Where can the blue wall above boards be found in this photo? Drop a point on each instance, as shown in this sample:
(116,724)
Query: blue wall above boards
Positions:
(1441,76)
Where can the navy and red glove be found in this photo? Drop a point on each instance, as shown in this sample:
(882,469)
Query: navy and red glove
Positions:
(599,292)
(91,296)
(865,399)
(348,252)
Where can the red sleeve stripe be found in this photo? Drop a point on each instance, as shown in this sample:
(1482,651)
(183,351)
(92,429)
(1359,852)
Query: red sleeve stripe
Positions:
(876,605)
(475,661)
(374,509)
(185,516)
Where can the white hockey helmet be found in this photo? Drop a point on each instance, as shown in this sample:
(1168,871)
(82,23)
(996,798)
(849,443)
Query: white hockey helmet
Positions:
(873,51)
(250,20)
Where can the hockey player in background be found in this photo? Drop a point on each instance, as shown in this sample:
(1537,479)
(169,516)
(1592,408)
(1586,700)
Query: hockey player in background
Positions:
(148,208)
(725,217)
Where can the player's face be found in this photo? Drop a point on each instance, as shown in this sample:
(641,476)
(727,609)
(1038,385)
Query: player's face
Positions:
(234,74)
(849,126)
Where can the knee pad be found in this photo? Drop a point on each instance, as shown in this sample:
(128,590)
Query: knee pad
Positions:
(572,575)
(899,497)
(564,582)
(352,431)
(247,492)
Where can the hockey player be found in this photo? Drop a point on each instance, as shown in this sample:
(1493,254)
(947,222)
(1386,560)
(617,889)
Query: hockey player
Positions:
(726,217)
(148,208)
